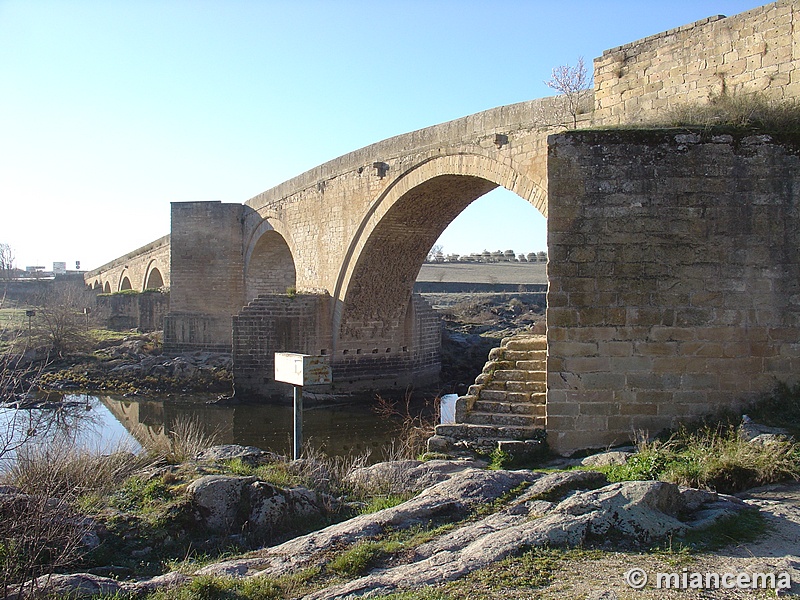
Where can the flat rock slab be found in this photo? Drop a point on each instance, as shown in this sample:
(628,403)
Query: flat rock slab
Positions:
(637,512)
(403,476)
(249,455)
(453,499)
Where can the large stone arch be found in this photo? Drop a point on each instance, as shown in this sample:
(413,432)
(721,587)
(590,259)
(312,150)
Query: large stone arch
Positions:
(378,272)
(269,266)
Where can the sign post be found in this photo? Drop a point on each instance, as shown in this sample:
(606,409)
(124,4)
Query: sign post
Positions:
(300,370)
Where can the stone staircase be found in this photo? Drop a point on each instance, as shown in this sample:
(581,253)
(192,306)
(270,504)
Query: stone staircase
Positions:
(506,407)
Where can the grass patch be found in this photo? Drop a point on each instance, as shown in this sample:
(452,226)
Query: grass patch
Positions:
(753,111)
(514,577)
(376,503)
(207,587)
(99,335)
(357,559)
(714,458)
(746,526)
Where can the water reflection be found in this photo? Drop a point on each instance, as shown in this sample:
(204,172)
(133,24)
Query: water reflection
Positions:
(72,421)
(337,430)
(108,423)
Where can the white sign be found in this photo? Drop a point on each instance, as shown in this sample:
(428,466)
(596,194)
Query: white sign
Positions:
(59,268)
(301,369)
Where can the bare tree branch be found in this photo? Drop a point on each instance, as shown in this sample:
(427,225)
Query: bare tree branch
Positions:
(573,84)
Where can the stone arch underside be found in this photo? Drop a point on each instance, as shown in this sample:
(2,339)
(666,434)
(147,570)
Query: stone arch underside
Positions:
(270,268)
(377,299)
(384,259)
(154,279)
(125,283)
(107,288)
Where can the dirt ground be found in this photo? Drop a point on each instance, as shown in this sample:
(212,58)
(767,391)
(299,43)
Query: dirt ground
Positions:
(778,550)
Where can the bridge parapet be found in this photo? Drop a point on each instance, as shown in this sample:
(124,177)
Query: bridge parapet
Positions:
(147,267)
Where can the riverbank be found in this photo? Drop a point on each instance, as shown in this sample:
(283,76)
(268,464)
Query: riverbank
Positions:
(237,522)
(133,365)
(472,324)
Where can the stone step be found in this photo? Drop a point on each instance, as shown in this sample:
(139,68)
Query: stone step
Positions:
(519,408)
(532,365)
(504,420)
(527,343)
(469,431)
(495,395)
(518,375)
(517,355)
(525,386)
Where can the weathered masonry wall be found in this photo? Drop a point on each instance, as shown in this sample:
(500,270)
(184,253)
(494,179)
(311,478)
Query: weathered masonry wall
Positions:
(144,311)
(674,279)
(755,51)
(276,323)
(301,323)
(207,281)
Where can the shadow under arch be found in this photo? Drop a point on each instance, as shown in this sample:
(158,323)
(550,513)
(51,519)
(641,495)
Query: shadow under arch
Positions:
(269,266)
(124,282)
(153,279)
(378,273)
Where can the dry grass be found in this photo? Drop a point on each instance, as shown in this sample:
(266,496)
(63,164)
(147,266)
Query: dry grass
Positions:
(716,458)
(416,426)
(185,440)
(41,528)
(741,112)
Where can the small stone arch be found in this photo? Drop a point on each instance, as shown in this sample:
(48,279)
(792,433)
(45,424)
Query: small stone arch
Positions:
(154,279)
(107,288)
(125,283)
(269,264)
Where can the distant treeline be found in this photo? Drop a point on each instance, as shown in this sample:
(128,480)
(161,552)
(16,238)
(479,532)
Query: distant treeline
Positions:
(498,256)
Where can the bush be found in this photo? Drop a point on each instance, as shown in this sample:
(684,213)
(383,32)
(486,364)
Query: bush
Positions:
(41,529)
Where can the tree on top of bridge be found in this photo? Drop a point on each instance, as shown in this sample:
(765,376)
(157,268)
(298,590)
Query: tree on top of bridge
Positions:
(573,83)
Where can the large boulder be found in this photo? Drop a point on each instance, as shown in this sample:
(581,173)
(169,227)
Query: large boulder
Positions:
(407,476)
(229,503)
(219,500)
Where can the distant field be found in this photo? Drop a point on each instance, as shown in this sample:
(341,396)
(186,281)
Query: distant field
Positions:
(11,318)
(503,273)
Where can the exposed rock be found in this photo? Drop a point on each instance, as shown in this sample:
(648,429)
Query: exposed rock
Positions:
(605,459)
(271,506)
(218,497)
(407,475)
(226,503)
(760,434)
(166,581)
(76,586)
(249,455)
(641,511)
(554,486)
(453,498)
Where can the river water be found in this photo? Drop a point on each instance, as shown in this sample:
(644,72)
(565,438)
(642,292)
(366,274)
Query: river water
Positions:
(106,423)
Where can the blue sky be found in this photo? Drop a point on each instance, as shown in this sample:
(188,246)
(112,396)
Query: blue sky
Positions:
(110,110)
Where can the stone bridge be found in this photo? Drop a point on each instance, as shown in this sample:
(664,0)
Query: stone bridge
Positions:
(673,277)
(147,268)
